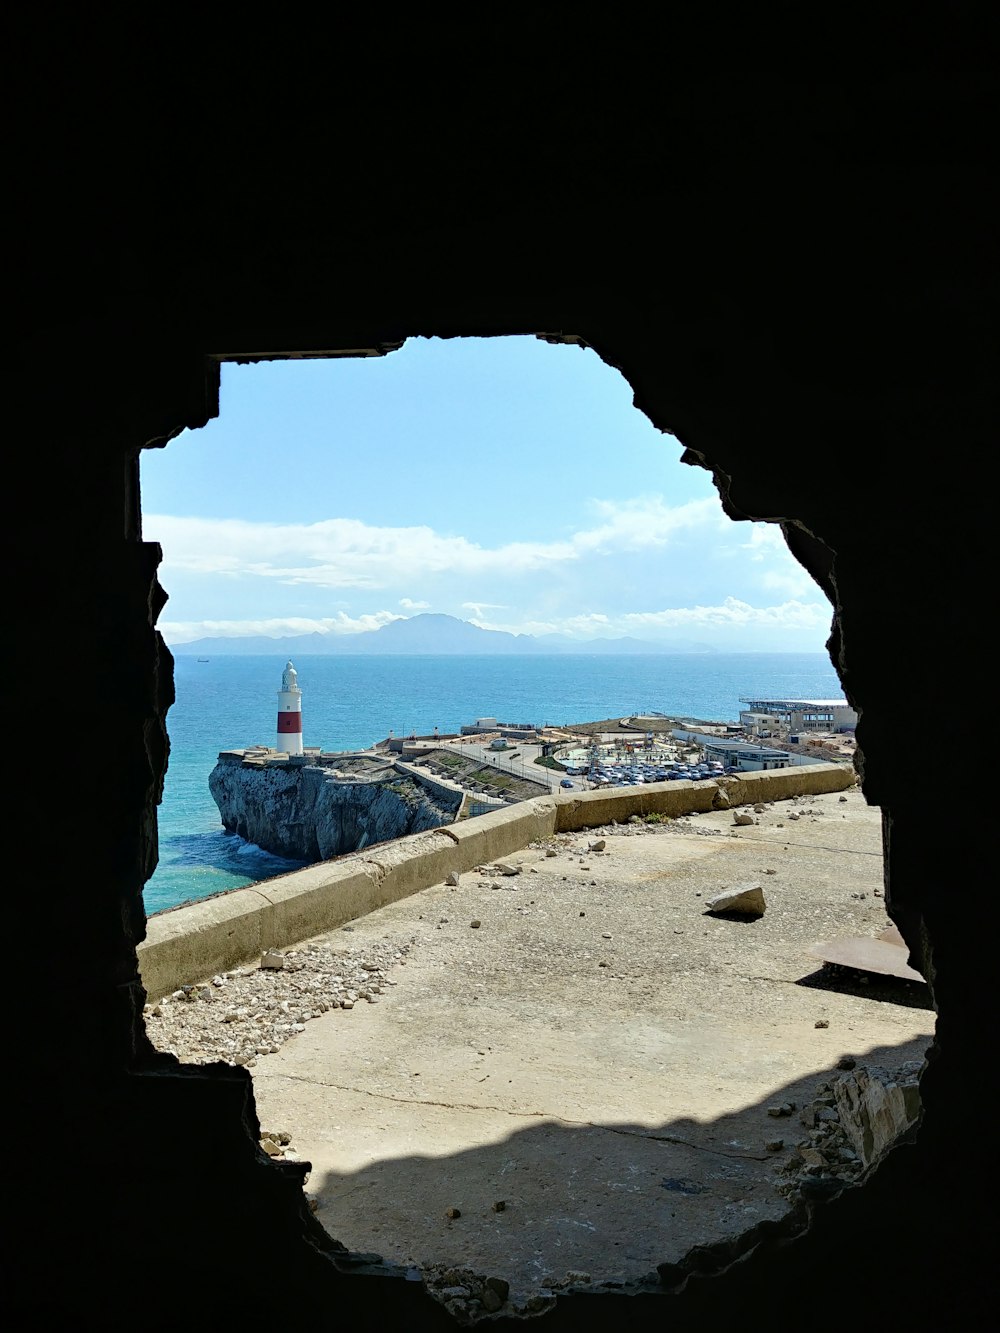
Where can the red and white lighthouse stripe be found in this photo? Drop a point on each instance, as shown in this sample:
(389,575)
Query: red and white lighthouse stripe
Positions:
(289,713)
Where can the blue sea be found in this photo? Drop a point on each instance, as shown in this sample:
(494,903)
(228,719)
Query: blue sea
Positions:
(348,703)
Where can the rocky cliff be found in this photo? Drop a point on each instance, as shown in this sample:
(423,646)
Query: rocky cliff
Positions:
(312,813)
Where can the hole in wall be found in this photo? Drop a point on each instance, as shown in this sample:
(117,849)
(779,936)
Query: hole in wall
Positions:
(501,1097)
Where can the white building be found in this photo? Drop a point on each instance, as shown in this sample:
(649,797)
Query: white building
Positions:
(794,715)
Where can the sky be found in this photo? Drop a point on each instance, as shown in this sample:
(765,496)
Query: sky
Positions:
(505,481)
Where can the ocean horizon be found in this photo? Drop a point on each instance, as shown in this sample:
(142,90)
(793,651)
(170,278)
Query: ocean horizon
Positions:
(348,703)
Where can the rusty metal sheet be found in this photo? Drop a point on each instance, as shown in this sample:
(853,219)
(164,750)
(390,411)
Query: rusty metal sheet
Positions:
(886,954)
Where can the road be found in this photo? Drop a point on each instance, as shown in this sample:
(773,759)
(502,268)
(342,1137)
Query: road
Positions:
(523,766)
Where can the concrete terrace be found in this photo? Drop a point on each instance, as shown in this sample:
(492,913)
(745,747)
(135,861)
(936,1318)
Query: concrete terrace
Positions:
(597,1054)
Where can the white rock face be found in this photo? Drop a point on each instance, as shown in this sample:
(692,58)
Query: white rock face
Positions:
(876,1107)
(310,814)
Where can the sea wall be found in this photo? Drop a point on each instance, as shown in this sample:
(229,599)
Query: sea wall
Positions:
(192,943)
(312,813)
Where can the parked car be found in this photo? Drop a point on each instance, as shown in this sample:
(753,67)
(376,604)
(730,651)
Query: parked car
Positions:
(565,783)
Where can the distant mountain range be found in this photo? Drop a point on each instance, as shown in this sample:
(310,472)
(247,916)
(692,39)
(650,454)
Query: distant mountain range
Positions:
(428,635)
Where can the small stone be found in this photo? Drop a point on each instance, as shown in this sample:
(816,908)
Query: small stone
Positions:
(551,851)
(583,913)
(500,1286)
(272,1148)
(503,868)
(846,1062)
(474,925)
(272,961)
(575,1275)
(774,1145)
(500,1206)
(453,1213)
(758,809)
(452,880)
(793,816)
(491,1301)
(744,900)
(602,964)
(605,936)
(742,819)
(597,846)
(843,799)
(822,1023)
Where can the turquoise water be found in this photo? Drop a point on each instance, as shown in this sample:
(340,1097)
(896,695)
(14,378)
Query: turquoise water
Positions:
(347,703)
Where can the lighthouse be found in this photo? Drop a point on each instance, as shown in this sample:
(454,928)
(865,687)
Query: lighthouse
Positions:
(289,713)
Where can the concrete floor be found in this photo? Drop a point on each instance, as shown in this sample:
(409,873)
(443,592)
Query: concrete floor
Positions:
(618,1112)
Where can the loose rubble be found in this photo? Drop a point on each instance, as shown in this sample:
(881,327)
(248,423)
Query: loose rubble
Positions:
(469,1296)
(852,1121)
(254,1010)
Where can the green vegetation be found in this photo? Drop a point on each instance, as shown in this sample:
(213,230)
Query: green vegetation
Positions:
(449,760)
(491,778)
(548,761)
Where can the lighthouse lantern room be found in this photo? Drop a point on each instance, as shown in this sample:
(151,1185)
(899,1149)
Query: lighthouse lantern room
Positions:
(289,713)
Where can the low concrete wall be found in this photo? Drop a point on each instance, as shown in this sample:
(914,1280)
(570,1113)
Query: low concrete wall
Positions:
(192,943)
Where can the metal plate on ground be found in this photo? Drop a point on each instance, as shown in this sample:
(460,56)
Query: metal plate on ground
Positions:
(886,954)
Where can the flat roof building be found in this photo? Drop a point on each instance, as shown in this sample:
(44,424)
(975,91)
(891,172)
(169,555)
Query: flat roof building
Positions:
(799,714)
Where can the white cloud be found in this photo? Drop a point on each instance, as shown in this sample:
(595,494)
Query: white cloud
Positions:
(183,631)
(479,607)
(765,539)
(766,544)
(648,521)
(347,553)
(409,604)
(730,614)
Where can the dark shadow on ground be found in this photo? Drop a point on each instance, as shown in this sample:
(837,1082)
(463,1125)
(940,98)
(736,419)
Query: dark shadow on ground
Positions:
(869,986)
(610,1201)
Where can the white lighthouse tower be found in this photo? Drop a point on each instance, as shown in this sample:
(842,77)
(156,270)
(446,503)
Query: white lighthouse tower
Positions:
(289,713)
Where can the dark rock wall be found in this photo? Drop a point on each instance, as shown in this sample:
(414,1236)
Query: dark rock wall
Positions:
(303,814)
(796,275)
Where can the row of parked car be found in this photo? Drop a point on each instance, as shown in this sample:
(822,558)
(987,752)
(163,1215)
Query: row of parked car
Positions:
(613,776)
